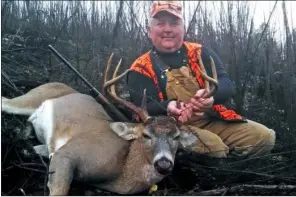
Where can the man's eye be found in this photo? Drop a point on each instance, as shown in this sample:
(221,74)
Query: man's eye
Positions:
(175,23)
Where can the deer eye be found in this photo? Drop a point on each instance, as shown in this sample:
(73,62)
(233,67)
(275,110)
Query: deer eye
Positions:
(177,136)
(146,136)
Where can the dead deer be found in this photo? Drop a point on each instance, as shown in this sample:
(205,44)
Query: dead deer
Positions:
(84,144)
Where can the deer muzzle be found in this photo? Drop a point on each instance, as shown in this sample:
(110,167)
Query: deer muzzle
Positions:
(164,165)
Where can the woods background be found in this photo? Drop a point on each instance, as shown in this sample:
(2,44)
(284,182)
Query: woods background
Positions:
(262,67)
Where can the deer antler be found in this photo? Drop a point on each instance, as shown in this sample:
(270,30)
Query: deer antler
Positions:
(108,67)
(114,74)
(141,111)
(208,79)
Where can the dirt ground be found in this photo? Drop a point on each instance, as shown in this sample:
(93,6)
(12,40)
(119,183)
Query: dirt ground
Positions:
(25,174)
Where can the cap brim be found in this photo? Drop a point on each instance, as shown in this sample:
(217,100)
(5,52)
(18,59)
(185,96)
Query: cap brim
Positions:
(168,11)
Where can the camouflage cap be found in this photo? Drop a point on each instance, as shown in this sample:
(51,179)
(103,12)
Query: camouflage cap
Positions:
(172,7)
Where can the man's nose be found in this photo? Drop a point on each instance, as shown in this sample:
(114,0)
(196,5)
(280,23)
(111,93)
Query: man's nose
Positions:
(167,27)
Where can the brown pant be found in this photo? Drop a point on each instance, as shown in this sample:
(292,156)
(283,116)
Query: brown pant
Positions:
(219,138)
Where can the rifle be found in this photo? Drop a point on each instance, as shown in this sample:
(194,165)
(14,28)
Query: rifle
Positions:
(94,92)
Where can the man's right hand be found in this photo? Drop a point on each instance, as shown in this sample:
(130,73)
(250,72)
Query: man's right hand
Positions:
(182,112)
(200,104)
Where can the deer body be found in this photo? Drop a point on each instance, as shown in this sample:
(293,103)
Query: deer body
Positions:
(86,145)
(28,103)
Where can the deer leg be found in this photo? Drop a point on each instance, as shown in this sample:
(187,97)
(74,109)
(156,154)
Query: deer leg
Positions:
(60,175)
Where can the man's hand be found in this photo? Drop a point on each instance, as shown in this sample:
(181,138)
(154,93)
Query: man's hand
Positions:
(200,104)
(182,112)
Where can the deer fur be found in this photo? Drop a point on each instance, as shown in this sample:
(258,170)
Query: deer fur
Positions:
(26,105)
(84,144)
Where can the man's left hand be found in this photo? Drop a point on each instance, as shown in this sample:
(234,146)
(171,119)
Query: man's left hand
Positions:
(200,104)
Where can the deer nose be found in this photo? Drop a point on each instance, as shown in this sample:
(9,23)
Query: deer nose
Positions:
(164,166)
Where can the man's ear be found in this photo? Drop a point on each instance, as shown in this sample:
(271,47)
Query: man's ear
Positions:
(149,31)
(188,139)
(185,32)
(125,130)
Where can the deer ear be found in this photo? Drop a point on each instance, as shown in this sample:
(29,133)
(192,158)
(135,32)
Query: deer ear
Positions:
(187,139)
(124,130)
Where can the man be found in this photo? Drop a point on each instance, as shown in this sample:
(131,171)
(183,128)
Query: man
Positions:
(169,73)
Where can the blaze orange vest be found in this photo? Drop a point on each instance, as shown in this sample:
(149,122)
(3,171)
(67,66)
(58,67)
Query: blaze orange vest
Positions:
(144,66)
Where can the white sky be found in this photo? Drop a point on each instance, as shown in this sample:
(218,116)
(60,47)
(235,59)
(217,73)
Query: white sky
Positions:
(263,8)
(260,9)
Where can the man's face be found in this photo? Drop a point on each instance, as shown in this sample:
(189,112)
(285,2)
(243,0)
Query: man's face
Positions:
(166,32)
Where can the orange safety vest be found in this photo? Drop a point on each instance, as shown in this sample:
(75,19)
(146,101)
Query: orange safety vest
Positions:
(144,66)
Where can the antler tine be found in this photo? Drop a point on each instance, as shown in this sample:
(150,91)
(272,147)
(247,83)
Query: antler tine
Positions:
(208,79)
(203,72)
(144,100)
(114,75)
(108,67)
(142,112)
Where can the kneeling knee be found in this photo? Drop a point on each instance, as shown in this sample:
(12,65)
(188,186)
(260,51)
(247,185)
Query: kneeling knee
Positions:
(271,137)
(266,142)
(259,141)
(268,137)
(260,134)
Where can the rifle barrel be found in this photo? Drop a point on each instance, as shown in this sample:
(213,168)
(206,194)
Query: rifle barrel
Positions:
(101,98)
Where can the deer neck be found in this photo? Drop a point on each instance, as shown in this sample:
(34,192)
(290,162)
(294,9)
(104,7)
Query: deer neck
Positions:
(137,173)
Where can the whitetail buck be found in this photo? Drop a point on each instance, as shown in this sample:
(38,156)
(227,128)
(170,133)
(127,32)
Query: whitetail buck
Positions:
(84,144)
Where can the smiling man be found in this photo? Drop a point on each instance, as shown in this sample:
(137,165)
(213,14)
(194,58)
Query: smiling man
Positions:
(169,73)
